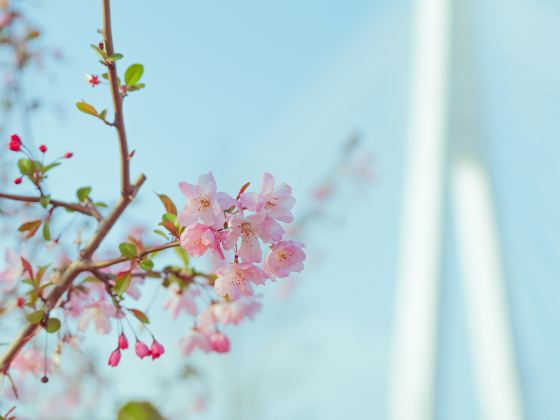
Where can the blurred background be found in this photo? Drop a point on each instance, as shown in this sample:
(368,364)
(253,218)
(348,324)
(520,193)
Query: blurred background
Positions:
(431,287)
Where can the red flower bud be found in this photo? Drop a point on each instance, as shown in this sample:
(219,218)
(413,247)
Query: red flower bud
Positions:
(15,143)
(68,155)
(18,181)
(20,301)
(142,350)
(101,46)
(43,148)
(114,358)
(157,350)
(123,342)
(219,343)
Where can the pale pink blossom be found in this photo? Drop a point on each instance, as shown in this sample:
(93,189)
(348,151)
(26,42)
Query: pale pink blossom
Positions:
(219,342)
(100,313)
(13,271)
(142,349)
(284,257)
(30,360)
(251,229)
(181,301)
(195,339)
(197,238)
(114,358)
(275,201)
(235,280)
(157,349)
(203,202)
(234,312)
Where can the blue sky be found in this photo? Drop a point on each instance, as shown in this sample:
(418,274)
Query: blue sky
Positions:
(244,88)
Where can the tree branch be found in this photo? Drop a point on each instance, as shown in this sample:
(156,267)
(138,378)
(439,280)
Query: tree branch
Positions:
(89,211)
(118,260)
(128,192)
(117,99)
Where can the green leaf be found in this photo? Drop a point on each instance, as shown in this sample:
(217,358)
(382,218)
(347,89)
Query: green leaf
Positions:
(46,231)
(137,86)
(83,193)
(128,250)
(50,166)
(138,410)
(45,200)
(183,255)
(99,51)
(170,217)
(53,325)
(122,282)
(146,264)
(103,114)
(26,166)
(168,204)
(105,76)
(161,233)
(35,317)
(133,74)
(140,316)
(100,204)
(115,57)
(87,108)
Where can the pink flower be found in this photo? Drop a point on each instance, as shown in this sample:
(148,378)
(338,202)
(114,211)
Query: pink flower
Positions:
(114,358)
(123,342)
(181,300)
(234,312)
(284,258)
(197,238)
(235,280)
(204,203)
(157,350)
(219,342)
(195,339)
(100,313)
(13,271)
(30,360)
(276,202)
(251,229)
(142,350)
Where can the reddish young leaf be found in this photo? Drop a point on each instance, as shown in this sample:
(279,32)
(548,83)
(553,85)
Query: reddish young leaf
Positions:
(168,204)
(27,268)
(242,190)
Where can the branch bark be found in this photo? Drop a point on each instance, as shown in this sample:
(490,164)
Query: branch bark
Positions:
(89,211)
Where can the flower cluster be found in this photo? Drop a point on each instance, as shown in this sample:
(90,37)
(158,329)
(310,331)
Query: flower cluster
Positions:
(215,221)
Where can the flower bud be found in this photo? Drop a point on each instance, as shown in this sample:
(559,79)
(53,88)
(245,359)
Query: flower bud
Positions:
(219,343)
(68,155)
(115,358)
(18,181)
(123,342)
(142,350)
(157,350)
(43,148)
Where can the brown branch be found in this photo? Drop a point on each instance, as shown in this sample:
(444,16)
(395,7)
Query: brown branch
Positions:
(128,192)
(118,260)
(118,122)
(89,211)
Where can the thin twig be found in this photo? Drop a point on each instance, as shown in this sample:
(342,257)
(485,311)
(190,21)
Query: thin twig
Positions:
(118,260)
(55,203)
(118,122)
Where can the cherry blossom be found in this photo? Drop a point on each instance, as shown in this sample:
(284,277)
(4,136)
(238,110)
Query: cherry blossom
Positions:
(157,349)
(114,358)
(197,238)
(181,301)
(235,280)
(203,202)
(275,201)
(100,313)
(195,339)
(284,257)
